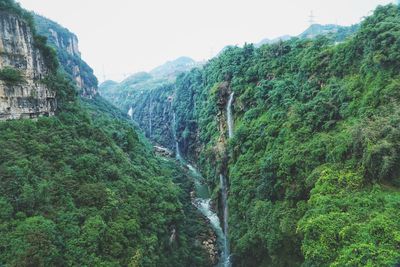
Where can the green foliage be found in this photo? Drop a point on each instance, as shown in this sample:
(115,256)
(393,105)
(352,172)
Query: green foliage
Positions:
(63,87)
(314,165)
(59,51)
(11,76)
(48,53)
(346,226)
(315,146)
(83,189)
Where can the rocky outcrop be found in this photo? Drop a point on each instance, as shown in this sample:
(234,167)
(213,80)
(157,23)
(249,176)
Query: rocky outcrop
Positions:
(66,45)
(24,96)
(210,244)
(163,152)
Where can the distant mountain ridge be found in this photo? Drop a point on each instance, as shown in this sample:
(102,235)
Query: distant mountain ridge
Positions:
(160,75)
(336,32)
(171,69)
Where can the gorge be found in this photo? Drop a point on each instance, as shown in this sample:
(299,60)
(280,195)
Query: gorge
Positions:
(305,110)
(283,153)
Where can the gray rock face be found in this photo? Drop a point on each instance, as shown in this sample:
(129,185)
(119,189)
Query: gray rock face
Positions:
(70,44)
(69,56)
(31,98)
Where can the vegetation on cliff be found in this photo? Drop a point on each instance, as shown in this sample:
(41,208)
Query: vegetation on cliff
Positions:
(314,164)
(61,39)
(150,95)
(84,188)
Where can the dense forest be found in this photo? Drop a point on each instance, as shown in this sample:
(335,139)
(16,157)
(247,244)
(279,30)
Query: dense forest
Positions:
(311,169)
(84,187)
(313,165)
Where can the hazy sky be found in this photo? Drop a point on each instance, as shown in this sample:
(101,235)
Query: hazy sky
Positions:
(125,36)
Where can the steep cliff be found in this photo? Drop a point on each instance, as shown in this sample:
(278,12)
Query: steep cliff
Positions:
(66,45)
(148,97)
(313,165)
(83,187)
(22,63)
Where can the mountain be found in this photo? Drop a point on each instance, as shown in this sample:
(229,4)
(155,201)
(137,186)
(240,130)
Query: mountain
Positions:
(287,154)
(158,76)
(143,92)
(298,142)
(272,41)
(173,68)
(66,45)
(338,33)
(79,184)
(335,32)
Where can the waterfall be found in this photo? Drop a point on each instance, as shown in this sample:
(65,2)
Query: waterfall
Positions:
(203,203)
(224,187)
(224,192)
(177,150)
(230,116)
(130,112)
(202,200)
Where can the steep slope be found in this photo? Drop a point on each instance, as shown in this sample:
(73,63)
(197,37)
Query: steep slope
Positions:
(24,63)
(66,45)
(148,98)
(313,168)
(84,188)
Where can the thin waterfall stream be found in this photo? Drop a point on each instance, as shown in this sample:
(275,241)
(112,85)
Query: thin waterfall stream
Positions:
(130,112)
(203,203)
(230,115)
(224,186)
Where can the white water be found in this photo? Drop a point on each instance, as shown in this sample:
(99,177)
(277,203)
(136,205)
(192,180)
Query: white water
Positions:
(229,115)
(224,192)
(224,186)
(177,150)
(130,112)
(203,203)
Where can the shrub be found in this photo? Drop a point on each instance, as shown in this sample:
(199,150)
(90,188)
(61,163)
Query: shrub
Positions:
(11,76)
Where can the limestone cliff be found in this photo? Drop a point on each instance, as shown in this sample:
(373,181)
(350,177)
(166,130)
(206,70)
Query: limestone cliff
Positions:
(26,96)
(66,45)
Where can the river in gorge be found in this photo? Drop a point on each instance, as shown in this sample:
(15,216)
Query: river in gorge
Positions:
(203,200)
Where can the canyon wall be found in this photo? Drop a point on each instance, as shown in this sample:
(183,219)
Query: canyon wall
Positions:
(66,45)
(22,94)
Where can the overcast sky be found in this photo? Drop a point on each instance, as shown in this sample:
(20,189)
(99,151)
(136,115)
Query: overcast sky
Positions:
(120,37)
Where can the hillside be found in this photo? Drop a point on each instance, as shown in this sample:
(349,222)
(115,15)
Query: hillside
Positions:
(146,93)
(304,135)
(81,186)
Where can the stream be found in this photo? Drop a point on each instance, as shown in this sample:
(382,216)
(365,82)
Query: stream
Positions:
(203,201)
